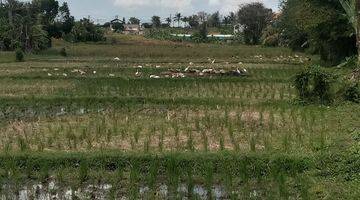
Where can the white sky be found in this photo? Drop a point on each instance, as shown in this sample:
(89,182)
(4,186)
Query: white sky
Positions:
(104,10)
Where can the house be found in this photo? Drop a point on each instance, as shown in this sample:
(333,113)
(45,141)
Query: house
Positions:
(133,29)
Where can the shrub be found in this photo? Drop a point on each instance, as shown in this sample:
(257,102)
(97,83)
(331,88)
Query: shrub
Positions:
(85,31)
(352,93)
(163,34)
(19,55)
(270,37)
(63,52)
(201,35)
(350,62)
(315,84)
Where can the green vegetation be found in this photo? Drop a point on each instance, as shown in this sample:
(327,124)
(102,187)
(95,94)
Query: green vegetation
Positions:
(96,126)
(95,116)
(19,55)
(30,26)
(320,27)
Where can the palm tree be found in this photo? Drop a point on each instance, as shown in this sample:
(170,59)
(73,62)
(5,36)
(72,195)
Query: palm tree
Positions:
(169,20)
(352,9)
(178,18)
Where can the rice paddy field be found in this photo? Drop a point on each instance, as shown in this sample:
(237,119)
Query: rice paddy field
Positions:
(89,126)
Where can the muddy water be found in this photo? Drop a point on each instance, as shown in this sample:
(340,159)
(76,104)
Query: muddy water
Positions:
(52,191)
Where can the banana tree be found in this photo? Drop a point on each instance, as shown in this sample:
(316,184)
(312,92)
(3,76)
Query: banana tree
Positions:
(352,9)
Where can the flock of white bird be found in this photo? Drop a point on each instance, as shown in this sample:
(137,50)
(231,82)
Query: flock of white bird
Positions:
(138,73)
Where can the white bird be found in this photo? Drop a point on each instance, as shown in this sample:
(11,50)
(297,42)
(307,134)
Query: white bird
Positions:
(187,69)
(49,74)
(191,63)
(94,72)
(140,67)
(154,76)
(117,59)
(138,73)
(158,66)
(207,70)
(56,69)
(112,75)
(65,75)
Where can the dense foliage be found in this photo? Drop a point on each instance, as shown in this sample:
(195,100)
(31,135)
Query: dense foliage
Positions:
(31,25)
(255,18)
(320,27)
(201,35)
(85,30)
(315,85)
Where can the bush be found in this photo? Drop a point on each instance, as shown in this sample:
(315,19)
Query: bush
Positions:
(201,35)
(63,52)
(315,84)
(352,93)
(350,62)
(19,55)
(162,34)
(270,37)
(85,31)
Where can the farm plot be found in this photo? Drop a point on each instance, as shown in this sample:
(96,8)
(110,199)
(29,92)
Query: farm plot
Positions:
(106,129)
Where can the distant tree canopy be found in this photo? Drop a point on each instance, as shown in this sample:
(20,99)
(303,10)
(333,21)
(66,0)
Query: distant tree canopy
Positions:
(255,18)
(84,31)
(31,25)
(193,21)
(134,20)
(215,19)
(118,26)
(318,26)
(156,21)
(64,22)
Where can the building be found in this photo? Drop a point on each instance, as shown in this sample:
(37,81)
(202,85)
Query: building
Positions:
(133,29)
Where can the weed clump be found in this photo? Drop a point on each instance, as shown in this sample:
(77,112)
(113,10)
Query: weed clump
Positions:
(19,55)
(352,93)
(63,52)
(315,85)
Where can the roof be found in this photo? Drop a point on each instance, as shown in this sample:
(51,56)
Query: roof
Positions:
(115,20)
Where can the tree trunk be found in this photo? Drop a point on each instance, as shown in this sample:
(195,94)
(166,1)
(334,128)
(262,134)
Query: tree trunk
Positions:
(358,44)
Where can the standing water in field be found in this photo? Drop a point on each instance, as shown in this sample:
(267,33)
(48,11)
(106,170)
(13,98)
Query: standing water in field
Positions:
(100,192)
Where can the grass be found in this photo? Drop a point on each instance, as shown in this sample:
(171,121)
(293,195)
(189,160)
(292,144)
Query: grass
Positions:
(196,137)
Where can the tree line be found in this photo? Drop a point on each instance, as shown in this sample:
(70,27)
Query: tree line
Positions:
(29,26)
(252,19)
(328,28)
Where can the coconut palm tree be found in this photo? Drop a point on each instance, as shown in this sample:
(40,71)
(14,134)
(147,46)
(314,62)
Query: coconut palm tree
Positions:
(168,21)
(352,9)
(178,18)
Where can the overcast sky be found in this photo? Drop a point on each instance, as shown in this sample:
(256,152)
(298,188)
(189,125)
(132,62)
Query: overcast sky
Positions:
(103,10)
